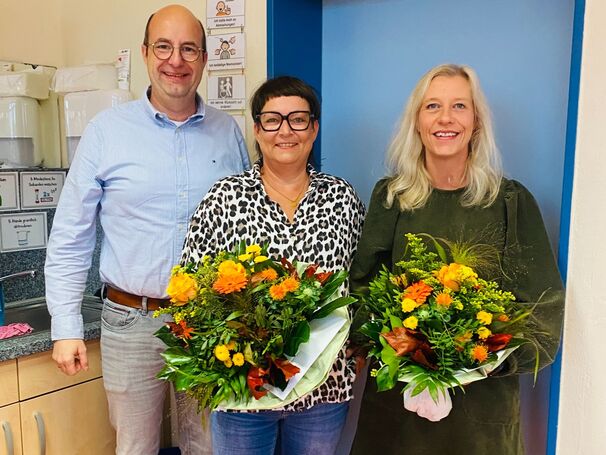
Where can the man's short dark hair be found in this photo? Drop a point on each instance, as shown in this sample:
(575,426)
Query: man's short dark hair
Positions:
(146,36)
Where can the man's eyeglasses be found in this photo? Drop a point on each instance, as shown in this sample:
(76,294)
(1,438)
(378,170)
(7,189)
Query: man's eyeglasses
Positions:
(163,51)
(272,121)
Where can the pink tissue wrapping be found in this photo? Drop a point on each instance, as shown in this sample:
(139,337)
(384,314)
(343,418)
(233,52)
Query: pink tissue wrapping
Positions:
(14,329)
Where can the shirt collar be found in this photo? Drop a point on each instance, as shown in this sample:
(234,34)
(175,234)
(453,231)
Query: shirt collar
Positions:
(162,118)
(252,178)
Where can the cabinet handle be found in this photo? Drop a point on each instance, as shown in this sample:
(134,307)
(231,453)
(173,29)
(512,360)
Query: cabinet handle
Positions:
(8,438)
(41,432)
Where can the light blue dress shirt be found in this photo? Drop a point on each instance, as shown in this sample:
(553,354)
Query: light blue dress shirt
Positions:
(143,176)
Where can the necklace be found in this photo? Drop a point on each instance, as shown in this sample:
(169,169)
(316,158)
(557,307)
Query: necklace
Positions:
(293,202)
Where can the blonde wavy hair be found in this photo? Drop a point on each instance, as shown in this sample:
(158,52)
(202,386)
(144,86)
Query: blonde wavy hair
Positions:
(410,183)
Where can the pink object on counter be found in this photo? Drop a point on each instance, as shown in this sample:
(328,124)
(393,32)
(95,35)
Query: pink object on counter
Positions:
(14,329)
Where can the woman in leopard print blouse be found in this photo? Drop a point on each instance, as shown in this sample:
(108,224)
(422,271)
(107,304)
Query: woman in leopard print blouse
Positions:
(302,214)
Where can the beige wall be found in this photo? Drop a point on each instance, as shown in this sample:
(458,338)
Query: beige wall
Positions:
(583,385)
(30,31)
(76,32)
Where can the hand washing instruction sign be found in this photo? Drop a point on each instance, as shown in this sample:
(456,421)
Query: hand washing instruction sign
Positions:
(8,191)
(23,231)
(41,189)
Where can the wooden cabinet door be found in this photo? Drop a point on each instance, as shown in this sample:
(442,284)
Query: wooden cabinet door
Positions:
(10,430)
(72,421)
(9,392)
(38,373)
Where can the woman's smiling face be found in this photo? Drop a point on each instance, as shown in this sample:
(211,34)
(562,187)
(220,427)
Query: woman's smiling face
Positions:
(286,146)
(446,119)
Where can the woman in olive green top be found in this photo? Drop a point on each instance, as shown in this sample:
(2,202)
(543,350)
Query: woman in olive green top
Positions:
(447,181)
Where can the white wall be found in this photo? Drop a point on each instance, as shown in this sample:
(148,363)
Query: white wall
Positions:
(582,410)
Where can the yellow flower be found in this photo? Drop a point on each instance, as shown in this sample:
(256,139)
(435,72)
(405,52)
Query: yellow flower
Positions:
(408,305)
(253,249)
(232,278)
(244,257)
(221,352)
(467,274)
(290,284)
(228,363)
(260,259)
(484,317)
(238,359)
(178,317)
(231,345)
(181,288)
(277,292)
(484,332)
(411,322)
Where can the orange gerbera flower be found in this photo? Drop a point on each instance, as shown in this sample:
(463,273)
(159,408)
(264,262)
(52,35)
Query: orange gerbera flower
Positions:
(277,292)
(290,284)
(479,352)
(418,292)
(443,299)
(232,278)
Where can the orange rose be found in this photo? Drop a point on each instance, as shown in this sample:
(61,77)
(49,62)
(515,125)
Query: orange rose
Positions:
(181,288)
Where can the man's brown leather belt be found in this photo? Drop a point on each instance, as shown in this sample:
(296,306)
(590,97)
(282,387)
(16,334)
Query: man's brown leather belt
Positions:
(134,301)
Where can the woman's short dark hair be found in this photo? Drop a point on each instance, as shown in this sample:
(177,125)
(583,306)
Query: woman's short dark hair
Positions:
(284,86)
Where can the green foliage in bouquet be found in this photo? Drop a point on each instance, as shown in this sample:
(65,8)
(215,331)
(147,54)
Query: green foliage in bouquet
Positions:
(238,317)
(432,319)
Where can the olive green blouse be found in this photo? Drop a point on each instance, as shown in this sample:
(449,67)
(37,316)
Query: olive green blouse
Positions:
(485,419)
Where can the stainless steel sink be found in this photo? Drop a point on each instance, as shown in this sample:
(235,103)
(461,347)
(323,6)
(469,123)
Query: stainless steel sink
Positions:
(35,313)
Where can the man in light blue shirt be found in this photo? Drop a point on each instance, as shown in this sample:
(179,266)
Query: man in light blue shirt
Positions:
(141,168)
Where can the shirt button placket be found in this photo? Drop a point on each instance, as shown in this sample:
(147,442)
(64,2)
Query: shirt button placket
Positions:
(182,184)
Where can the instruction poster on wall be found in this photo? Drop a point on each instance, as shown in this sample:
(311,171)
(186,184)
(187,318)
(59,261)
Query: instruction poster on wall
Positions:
(9,191)
(227,91)
(23,231)
(226,52)
(41,189)
(224,13)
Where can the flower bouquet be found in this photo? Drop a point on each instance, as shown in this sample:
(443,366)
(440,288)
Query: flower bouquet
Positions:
(241,323)
(437,325)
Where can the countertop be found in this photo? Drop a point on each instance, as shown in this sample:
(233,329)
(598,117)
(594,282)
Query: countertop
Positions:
(40,340)
(20,346)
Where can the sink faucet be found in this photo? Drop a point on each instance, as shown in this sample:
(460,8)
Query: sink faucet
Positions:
(30,273)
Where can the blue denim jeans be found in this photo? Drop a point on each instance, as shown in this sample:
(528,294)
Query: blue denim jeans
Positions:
(313,431)
(131,359)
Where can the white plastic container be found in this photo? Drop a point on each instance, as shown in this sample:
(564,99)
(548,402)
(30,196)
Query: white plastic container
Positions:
(19,132)
(87,77)
(80,107)
(31,83)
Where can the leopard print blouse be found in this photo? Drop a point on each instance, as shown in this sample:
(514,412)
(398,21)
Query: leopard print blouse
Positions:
(325,230)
